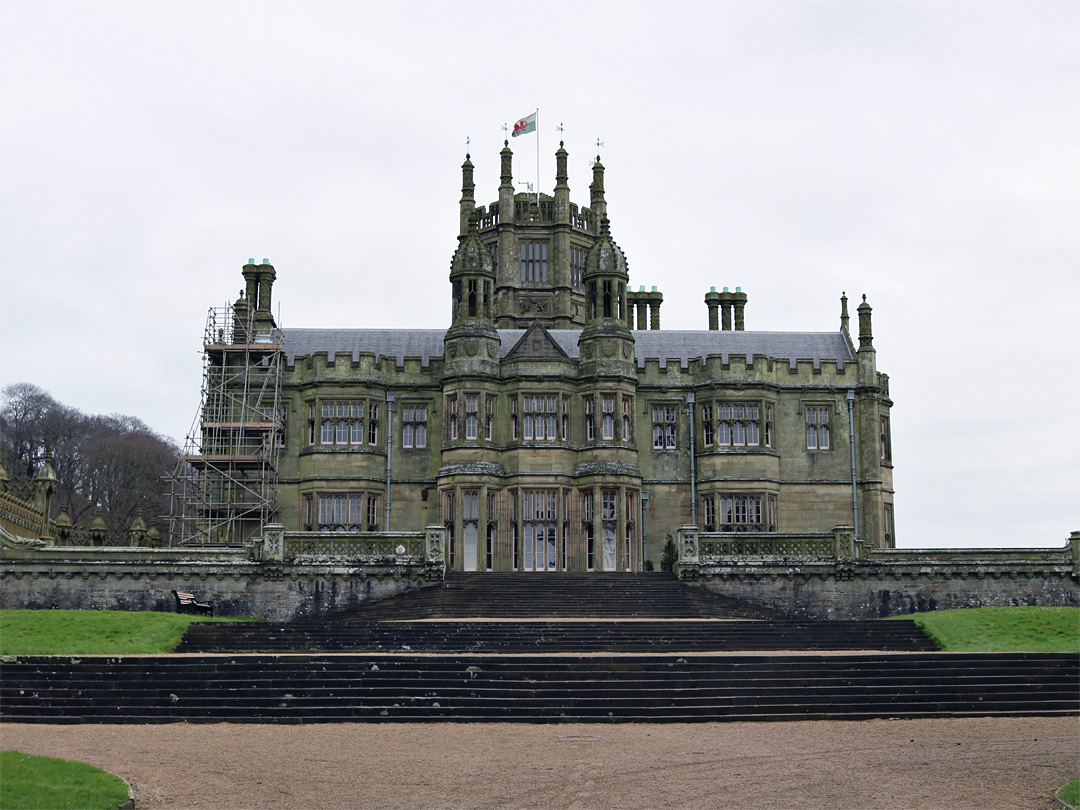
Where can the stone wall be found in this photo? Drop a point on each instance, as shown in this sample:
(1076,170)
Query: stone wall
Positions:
(831,575)
(280,577)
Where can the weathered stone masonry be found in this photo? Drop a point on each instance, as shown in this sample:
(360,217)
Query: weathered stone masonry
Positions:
(834,576)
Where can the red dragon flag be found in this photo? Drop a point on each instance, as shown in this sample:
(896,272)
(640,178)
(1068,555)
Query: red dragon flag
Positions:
(524,126)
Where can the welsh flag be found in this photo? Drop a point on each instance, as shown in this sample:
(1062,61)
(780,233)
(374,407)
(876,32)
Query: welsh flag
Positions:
(525,126)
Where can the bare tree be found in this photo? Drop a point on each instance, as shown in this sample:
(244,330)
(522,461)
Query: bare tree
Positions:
(113,461)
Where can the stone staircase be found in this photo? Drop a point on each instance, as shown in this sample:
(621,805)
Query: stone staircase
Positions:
(542,648)
(632,688)
(560,613)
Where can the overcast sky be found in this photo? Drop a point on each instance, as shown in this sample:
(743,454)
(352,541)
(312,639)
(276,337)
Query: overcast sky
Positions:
(926,154)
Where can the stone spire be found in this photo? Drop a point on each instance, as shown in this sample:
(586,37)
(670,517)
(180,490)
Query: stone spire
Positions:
(844,319)
(596,191)
(45,483)
(866,337)
(468,202)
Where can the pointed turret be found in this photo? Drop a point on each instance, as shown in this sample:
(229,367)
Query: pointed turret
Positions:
(866,337)
(64,527)
(507,240)
(596,191)
(137,530)
(45,483)
(99,529)
(561,275)
(867,356)
(468,201)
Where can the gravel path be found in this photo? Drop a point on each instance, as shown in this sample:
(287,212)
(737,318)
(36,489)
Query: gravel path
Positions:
(953,764)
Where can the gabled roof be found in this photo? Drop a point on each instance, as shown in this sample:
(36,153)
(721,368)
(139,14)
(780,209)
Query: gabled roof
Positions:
(664,345)
(537,342)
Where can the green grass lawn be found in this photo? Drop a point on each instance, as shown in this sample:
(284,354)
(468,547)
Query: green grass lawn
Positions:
(1070,792)
(1003,629)
(42,783)
(92,632)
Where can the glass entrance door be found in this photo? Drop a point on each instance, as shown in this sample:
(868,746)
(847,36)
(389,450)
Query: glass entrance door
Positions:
(539,531)
(609,547)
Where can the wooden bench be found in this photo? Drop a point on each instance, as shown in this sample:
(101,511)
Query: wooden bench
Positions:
(187,603)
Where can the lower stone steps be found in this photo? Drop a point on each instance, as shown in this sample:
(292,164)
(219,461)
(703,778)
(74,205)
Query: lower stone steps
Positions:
(298,688)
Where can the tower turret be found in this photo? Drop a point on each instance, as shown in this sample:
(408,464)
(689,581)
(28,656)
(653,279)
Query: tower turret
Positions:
(606,342)
(472,344)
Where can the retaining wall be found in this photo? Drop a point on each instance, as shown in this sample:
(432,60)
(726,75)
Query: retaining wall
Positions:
(834,576)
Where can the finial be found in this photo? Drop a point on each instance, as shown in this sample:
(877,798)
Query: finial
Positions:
(506,142)
(468,143)
(864,297)
(560,144)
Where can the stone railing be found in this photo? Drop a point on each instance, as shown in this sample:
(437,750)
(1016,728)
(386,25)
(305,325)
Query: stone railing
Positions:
(18,516)
(700,551)
(383,548)
(767,547)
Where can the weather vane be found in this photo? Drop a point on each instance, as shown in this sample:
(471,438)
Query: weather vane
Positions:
(468,143)
(599,146)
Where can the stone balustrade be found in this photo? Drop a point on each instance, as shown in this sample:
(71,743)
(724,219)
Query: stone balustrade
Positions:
(830,575)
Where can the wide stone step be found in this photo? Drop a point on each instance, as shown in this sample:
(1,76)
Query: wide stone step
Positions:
(533,689)
(584,636)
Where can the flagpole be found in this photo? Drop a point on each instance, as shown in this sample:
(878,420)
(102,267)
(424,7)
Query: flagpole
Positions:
(537,114)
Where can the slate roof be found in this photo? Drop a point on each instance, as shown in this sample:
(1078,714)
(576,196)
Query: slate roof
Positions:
(665,345)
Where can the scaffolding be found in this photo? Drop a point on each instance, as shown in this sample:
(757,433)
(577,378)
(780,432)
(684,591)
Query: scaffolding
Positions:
(224,489)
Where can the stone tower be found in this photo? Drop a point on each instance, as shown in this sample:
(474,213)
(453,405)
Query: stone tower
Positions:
(538,244)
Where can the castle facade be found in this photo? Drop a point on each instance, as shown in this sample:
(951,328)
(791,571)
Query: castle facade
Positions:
(554,425)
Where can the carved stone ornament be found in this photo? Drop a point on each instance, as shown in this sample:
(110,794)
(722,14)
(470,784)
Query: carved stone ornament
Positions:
(472,347)
(608,348)
(586,351)
(627,352)
(533,306)
(688,546)
(451,350)
(492,351)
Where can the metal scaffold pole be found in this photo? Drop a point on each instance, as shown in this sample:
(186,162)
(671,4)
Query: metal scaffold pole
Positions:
(224,489)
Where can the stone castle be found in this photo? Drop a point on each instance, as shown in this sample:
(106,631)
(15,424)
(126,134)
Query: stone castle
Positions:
(554,425)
